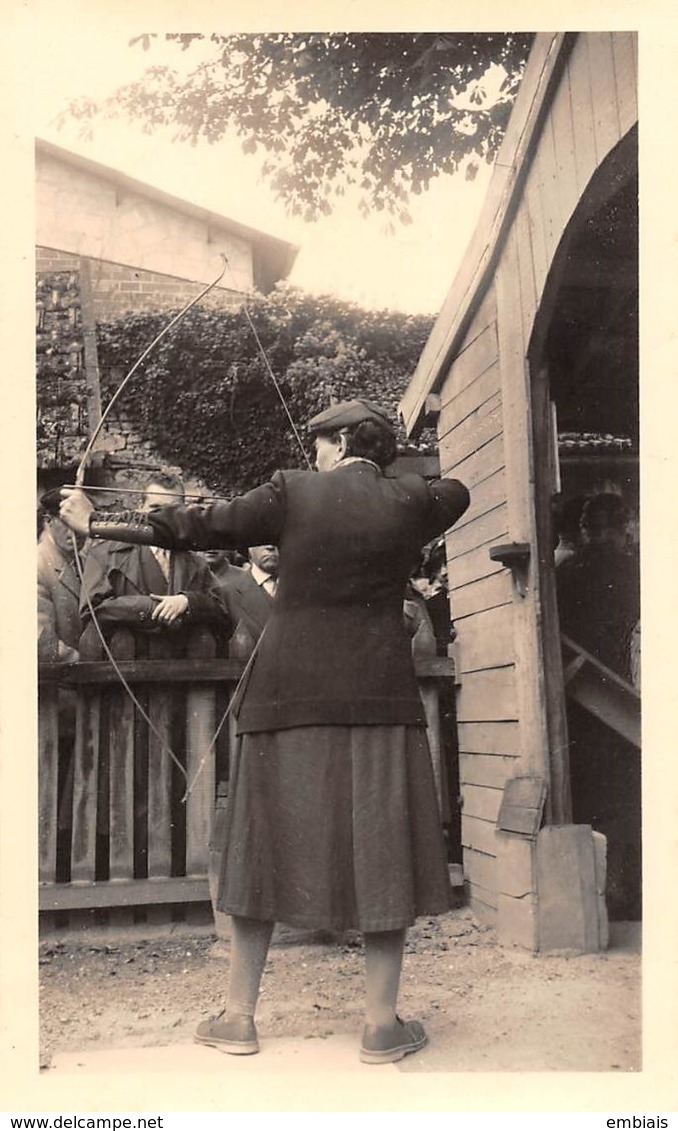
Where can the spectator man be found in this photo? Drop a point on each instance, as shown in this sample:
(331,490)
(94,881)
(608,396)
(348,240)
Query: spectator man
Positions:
(249,594)
(149,590)
(58,588)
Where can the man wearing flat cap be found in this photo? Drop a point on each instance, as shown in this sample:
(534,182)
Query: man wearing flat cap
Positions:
(333,818)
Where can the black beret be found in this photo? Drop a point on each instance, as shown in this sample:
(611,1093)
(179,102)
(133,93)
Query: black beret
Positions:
(346,414)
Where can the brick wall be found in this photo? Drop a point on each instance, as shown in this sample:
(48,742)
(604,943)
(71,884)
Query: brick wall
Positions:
(118,290)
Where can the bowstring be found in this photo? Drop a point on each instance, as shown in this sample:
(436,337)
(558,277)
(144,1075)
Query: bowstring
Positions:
(164,745)
(191,786)
(79,483)
(272,375)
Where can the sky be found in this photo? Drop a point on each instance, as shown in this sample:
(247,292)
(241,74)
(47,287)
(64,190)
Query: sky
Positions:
(410,269)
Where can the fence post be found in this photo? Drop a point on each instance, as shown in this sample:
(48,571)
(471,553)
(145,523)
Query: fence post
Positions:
(200,728)
(121,767)
(48,771)
(85,782)
(429,696)
(160,769)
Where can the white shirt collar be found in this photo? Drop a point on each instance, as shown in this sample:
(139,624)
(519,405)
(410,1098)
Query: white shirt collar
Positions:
(259,575)
(348,460)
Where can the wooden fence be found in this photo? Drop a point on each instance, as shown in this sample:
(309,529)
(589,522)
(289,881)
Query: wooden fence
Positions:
(118,838)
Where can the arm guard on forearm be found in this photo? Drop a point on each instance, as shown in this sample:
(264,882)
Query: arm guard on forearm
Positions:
(123,526)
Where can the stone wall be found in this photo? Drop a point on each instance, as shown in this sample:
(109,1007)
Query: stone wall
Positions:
(62,417)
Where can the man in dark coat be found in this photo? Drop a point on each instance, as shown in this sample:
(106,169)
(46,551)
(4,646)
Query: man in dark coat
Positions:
(249,594)
(150,591)
(58,591)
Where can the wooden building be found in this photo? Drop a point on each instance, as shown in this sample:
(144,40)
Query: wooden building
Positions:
(531,372)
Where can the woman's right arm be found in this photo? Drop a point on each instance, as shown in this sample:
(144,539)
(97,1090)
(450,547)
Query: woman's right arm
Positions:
(448,499)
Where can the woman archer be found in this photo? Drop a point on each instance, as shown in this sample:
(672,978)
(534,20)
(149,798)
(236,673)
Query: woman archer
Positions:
(332,818)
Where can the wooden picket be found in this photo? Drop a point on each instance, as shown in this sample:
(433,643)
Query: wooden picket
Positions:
(116,832)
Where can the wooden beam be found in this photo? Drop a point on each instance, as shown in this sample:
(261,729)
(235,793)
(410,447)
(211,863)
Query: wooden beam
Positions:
(142,671)
(602,692)
(123,893)
(189,671)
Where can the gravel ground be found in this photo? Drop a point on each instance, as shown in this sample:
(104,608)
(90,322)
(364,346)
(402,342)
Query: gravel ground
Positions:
(486,1007)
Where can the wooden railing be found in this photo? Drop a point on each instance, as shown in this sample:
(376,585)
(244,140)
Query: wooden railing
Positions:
(601,691)
(116,830)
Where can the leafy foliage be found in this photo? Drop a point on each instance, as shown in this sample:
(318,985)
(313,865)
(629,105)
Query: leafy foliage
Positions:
(384,111)
(206,401)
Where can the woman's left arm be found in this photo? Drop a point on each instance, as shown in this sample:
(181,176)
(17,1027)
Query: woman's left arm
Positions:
(253,519)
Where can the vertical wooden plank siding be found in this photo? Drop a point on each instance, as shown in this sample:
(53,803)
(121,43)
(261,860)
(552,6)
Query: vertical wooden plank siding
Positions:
(48,768)
(603,93)
(141,732)
(200,729)
(582,113)
(565,181)
(548,187)
(526,277)
(626,78)
(516,400)
(160,705)
(533,202)
(85,782)
(121,768)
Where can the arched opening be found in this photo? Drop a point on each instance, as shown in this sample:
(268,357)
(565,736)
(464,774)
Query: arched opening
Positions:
(584,366)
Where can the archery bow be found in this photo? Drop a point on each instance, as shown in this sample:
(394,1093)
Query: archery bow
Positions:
(79,484)
(272,376)
(190,786)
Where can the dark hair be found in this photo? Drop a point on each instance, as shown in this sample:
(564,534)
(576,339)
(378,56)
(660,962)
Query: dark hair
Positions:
(603,512)
(367,440)
(566,517)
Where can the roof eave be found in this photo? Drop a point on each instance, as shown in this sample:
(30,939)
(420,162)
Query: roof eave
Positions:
(270,247)
(476,269)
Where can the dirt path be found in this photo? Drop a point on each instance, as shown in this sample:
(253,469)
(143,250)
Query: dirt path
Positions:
(486,1007)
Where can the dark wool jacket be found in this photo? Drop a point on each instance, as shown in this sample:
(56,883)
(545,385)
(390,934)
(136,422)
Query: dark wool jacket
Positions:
(119,579)
(249,607)
(335,650)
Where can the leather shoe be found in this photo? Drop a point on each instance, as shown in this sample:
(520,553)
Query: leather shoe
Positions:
(237,1036)
(384,1044)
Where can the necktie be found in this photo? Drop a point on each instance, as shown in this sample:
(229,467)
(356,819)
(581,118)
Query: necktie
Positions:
(163,559)
(271,585)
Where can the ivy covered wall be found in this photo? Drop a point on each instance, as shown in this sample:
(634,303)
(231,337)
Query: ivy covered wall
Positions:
(205,402)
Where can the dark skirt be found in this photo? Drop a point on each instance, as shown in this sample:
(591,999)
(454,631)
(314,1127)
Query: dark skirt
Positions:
(333,827)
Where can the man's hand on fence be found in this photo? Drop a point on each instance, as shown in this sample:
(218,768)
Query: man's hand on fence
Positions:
(169,608)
